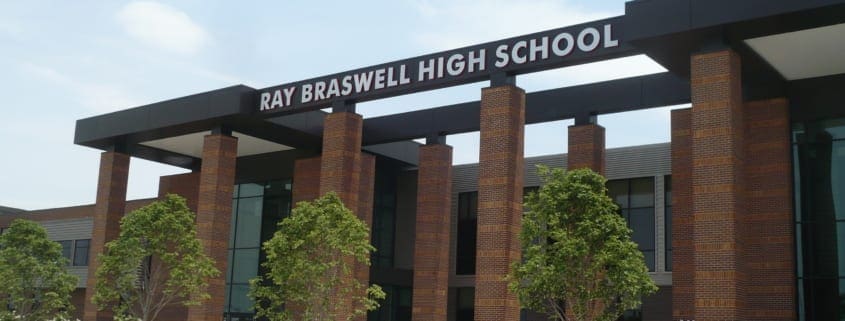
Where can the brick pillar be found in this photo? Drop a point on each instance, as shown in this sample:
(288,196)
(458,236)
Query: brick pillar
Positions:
(431,248)
(110,207)
(717,186)
(340,169)
(683,271)
(366,193)
(186,185)
(770,239)
(586,147)
(306,179)
(214,216)
(348,173)
(500,182)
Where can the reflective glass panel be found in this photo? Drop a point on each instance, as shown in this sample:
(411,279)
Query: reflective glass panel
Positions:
(251,190)
(642,192)
(67,249)
(248,233)
(618,191)
(245,263)
(80,253)
(240,302)
(642,223)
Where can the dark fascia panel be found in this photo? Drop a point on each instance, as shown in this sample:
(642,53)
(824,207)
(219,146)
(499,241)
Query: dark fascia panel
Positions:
(204,108)
(635,93)
(311,123)
(653,18)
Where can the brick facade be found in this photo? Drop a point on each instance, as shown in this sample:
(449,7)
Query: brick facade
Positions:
(306,179)
(345,170)
(431,248)
(733,238)
(214,215)
(769,226)
(109,209)
(186,185)
(683,270)
(586,147)
(500,184)
(718,157)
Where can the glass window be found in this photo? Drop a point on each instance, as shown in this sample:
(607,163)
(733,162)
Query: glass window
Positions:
(819,182)
(467,229)
(80,253)
(251,190)
(67,249)
(240,302)
(667,217)
(465,305)
(635,198)
(384,219)
(642,224)
(245,263)
(248,231)
(256,210)
(618,191)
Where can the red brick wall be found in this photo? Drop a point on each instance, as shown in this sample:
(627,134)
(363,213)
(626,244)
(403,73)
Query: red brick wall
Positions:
(110,206)
(683,269)
(214,215)
(306,179)
(185,185)
(340,169)
(341,165)
(366,190)
(500,183)
(431,248)
(769,234)
(717,186)
(586,147)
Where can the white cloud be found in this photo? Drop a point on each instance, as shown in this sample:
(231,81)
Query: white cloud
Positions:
(163,27)
(459,23)
(97,97)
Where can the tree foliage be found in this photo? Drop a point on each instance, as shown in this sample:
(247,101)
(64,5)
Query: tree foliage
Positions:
(310,263)
(155,262)
(579,263)
(33,278)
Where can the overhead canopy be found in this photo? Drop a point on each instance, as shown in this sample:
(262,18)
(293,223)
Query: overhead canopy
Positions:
(763,32)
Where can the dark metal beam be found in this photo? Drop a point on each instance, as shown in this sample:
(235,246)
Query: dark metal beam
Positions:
(635,93)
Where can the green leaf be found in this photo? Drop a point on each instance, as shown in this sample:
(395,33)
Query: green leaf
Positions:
(578,255)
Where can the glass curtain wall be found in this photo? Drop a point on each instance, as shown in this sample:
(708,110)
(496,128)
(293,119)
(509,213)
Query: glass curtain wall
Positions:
(819,186)
(635,198)
(256,209)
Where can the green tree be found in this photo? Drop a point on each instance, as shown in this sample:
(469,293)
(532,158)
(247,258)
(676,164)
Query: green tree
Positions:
(579,263)
(310,263)
(155,262)
(35,282)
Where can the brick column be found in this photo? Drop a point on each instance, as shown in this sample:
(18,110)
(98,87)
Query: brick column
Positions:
(214,216)
(306,179)
(717,186)
(683,270)
(366,193)
(185,185)
(431,247)
(500,182)
(110,207)
(348,173)
(340,169)
(769,237)
(586,147)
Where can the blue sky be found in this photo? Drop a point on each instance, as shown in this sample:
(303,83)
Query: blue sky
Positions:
(66,60)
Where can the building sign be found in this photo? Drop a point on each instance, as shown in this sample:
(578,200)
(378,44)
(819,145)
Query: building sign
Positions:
(543,50)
